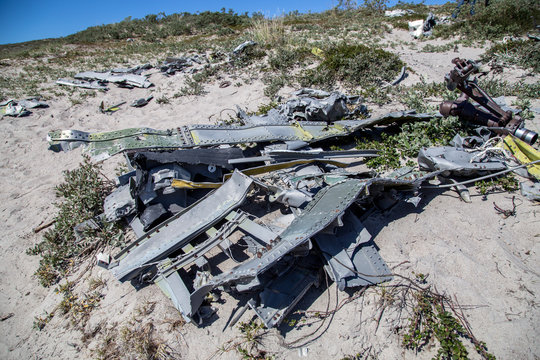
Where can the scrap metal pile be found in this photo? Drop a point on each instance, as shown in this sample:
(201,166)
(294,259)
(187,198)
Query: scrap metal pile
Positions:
(254,209)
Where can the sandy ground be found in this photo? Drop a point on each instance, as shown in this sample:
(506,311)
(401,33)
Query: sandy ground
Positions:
(468,250)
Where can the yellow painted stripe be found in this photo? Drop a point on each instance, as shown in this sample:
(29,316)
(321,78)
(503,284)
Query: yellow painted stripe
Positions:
(525,154)
(185,184)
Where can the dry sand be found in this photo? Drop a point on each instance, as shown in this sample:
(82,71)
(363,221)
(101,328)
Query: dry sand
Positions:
(468,250)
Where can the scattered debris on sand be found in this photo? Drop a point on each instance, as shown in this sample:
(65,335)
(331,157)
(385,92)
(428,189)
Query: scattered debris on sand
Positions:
(257,209)
(20,108)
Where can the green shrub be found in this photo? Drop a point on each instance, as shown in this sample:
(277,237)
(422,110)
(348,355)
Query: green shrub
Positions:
(501,18)
(524,53)
(161,25)
(409,139)
(286,59)
(496,88)
(81,198)
(353,65)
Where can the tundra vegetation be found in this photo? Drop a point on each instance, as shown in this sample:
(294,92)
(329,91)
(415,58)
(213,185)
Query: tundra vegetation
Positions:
(341,48)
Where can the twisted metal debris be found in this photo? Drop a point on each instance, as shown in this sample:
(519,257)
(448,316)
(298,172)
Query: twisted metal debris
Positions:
(263,221)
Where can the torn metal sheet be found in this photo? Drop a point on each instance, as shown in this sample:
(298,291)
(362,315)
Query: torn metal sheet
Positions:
(311,92)
(178,230)
(240,48)
(103,145)
(308,105)
(173,64)
(120,79)
(326,206)
(530,191)
(119,204)
(176,290)
(151,214)
(137,70)
(398,12)
(419,28)
(96,85)
(290,197)
(457,161)
(281,295)
(352,261)
(12,109)
(32,103)
(329,109)
(19,108)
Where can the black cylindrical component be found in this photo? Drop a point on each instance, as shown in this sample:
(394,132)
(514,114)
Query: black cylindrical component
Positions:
(526,135)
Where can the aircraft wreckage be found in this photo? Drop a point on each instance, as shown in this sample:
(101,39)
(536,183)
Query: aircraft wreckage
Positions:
(256,209)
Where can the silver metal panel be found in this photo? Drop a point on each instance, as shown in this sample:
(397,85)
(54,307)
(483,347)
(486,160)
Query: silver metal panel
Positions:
(82,84)
(186,259)
(370,267)
(119,203)
(236,135)
(177,231)
(131,79)
(351,261)
(173,286)
(327,205)
(282,295)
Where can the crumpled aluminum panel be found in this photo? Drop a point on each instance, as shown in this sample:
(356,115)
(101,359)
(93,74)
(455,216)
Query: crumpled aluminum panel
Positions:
(326,206)
(214,135)
(184,226)
(352,261)
(119,203)
(131,79)
(281,295)
(103,145)
(82,84)
(175,289)
(458,161)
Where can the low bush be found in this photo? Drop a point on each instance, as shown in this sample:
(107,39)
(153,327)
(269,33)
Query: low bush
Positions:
(353,65)
(501,18)
(81,198)
(523,53)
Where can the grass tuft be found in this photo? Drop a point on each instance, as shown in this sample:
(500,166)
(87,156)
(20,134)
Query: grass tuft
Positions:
(269,32)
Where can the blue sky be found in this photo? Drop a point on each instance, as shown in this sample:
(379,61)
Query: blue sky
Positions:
(25,20)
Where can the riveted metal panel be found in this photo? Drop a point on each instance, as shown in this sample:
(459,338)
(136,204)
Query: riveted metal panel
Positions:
(184,226)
